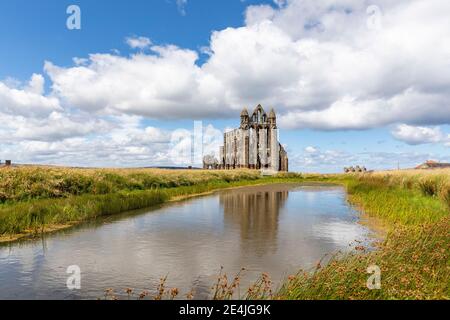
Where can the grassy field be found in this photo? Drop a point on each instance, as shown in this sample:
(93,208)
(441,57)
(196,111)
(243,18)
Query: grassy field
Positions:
(30,183)
(35,200)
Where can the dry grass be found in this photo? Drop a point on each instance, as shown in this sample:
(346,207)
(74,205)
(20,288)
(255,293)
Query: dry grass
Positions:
(26,183)
(432,183)
(414,172)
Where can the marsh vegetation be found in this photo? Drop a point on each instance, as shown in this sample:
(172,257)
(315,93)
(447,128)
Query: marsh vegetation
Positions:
(35,200)
(415,256)
(413,207)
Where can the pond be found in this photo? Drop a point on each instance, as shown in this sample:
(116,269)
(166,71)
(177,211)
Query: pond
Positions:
(276,229)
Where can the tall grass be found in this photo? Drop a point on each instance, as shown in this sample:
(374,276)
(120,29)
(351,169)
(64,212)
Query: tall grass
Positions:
(414,259)
(432,183)
(35,215)
(26,183)
(36,200)
(414,264)
(395,204)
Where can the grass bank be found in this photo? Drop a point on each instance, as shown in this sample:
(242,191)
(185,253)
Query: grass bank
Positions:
(414,260)
(38,200)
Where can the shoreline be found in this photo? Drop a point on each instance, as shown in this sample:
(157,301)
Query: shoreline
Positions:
(52,228)
(378,230)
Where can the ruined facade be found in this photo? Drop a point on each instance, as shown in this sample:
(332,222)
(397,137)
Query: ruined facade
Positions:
(255,144)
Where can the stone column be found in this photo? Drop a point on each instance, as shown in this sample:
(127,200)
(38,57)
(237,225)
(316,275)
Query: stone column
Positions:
(263,148)
(253,145)
(274,151)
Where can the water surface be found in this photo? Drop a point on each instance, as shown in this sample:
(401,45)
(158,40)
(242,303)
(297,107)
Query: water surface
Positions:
(276,229)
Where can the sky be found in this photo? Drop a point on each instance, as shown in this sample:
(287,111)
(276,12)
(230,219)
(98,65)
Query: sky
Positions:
(353,82)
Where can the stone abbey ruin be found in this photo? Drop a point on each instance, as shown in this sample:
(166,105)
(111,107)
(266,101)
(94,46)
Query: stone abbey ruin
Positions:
(254,145)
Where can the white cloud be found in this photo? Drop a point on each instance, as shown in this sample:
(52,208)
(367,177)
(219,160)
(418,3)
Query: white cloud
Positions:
(420,135)
(335,160)
(311,149)
(181,5)
(36,84)
(56,126)
(27,100)
(112,141)
(139,42)
(317,63)
(315,159)
(163,84)
(256,14)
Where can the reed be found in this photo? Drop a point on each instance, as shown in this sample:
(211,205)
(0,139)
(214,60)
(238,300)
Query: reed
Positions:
(413,264)
(414,257)
(36,200)
(396,204)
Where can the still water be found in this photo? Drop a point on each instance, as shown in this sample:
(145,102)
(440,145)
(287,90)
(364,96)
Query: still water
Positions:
(276,229)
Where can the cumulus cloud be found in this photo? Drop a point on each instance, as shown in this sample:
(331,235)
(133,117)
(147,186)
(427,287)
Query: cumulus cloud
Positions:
(111,141)
(164,84)
(420,135)
(27,100)
(318,63)
(55,127)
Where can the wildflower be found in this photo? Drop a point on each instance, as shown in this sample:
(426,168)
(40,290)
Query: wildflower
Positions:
(143,295)
(174,292)
(129,291)
(190,295)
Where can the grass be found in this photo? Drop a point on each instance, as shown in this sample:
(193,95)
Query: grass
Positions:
(414,264)
(28,183)
(35,200)
(396,204)
(414,259)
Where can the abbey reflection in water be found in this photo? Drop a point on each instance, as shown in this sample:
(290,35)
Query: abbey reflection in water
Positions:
(256,214)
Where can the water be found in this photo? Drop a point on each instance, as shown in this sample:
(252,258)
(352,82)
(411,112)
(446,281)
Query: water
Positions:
(275,229)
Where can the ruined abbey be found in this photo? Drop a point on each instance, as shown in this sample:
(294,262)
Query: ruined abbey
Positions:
(255,144)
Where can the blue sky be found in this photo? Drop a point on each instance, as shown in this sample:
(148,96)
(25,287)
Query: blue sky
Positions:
(394,116)
(34,31)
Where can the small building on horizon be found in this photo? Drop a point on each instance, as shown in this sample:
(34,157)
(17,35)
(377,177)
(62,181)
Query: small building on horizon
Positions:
(431,164)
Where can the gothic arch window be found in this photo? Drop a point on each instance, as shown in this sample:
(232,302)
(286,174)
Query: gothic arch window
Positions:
(259,116)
